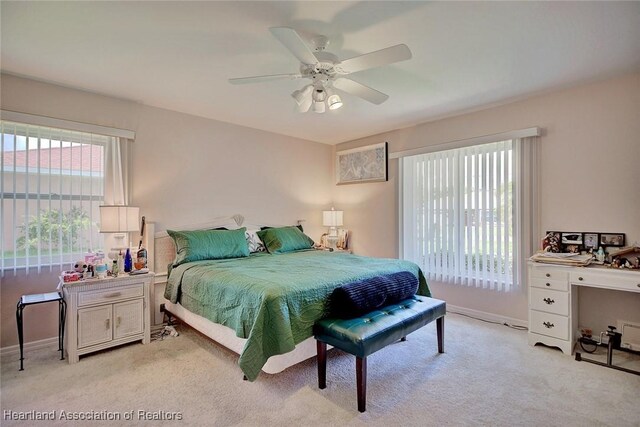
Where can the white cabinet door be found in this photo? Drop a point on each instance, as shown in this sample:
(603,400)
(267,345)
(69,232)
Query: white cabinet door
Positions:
(128,318)
(94,325)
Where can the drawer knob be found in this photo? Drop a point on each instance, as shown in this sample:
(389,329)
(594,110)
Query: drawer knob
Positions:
(580,278)
(548,301)
(107,324)
(638,285)
(548,274)
(548,325)
(548,284)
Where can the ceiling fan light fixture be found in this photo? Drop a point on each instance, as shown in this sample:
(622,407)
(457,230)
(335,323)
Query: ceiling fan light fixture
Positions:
(301,95)
(318,107)
(334,102)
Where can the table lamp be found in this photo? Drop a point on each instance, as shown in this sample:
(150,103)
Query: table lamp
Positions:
(119,220)
(333,220)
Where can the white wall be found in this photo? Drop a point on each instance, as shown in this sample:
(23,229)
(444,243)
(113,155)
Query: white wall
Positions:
(590,170)
(185,170)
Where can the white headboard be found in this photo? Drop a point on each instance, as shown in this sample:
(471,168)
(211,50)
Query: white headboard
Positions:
(165,251)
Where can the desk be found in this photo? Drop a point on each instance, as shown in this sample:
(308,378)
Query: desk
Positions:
(553,299)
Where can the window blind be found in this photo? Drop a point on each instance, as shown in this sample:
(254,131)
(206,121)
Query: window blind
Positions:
(462,215)
(52,183)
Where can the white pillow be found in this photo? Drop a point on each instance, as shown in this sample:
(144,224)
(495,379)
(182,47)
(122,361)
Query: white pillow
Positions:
(253,241)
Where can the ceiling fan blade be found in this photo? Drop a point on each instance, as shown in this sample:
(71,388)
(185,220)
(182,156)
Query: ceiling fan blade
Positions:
(397,53)
(292,41)
(259,79)
(358,89)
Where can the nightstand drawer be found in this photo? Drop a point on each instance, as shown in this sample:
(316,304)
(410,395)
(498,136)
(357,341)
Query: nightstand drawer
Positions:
(556,302)
(113,294)
(556,285)
(549,324)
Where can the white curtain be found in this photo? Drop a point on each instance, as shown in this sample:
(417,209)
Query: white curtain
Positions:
(116,190)
(465,213)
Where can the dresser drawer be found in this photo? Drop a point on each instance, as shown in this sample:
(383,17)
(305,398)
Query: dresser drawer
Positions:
(548,273)
(552,325)
(610,279)
(108,295)
(556,285)
(556,302)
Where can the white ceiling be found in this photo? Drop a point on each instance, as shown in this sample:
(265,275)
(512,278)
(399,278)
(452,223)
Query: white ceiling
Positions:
(179,55)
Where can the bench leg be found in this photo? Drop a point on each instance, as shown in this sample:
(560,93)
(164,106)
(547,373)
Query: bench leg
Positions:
(440,329)
(361,382)
(322,364)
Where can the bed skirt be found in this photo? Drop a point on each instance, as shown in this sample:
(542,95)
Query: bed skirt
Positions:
(226,337)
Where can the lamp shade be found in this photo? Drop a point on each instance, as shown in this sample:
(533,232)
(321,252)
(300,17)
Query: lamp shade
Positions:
(119,219)
(332,218)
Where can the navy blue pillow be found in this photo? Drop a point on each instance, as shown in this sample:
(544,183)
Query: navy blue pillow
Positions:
(361,297)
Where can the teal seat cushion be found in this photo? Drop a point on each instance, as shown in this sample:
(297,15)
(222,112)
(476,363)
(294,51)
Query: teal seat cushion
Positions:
(198,245)
(284,239)
(373,331)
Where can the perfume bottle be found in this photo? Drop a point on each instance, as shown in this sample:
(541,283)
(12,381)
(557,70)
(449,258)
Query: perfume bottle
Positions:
(128,261)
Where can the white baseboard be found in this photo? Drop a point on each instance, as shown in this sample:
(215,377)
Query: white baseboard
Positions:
(487,316)
(14,350)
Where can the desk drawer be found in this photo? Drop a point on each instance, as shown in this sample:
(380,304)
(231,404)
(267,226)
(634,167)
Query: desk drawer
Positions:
(549,324)
(108,295)
(556,285)
(556,302)
(612,279)
(549,273)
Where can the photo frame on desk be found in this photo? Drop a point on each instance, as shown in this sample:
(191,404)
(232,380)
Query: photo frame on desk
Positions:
(591,240)
(612,239)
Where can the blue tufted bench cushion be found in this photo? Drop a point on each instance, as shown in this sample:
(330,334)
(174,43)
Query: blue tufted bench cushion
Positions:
(367,334)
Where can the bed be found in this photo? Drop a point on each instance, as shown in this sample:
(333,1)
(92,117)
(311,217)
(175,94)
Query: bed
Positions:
(263,306)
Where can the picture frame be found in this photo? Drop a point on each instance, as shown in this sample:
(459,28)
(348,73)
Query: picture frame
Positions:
(590,240)
(612,239)
(363,164)
(571,238)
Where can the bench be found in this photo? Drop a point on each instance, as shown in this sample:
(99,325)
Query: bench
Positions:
(365,335)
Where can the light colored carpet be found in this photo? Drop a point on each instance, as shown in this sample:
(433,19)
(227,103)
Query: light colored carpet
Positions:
(488,376)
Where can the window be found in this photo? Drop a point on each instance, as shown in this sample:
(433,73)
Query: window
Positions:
(52,185)
(467,213)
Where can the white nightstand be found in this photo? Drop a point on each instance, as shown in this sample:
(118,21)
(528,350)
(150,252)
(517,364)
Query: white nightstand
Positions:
(103,313)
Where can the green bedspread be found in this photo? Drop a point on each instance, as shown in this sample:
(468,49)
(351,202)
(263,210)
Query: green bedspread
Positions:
(272,300)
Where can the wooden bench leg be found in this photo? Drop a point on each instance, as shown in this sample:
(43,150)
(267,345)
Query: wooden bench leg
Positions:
(322,364)
(440,329)
(361,382)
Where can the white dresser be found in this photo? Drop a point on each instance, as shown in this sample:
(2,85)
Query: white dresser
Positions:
(103,313)
(553,299)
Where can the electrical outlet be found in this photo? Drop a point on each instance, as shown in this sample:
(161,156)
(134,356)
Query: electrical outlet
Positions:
(162,308)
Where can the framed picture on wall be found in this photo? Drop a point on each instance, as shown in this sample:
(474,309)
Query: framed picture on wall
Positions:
(362,164)
(612,239)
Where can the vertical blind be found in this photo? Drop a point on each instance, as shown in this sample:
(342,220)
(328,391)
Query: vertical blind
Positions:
(462,214)
(52,183)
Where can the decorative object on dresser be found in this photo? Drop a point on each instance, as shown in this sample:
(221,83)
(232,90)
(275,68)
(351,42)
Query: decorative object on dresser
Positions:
(553,299)
(562,241)
(362,164)
(103,313)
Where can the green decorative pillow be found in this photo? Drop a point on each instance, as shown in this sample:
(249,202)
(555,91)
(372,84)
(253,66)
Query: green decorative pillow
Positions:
(284,239)
(198,245)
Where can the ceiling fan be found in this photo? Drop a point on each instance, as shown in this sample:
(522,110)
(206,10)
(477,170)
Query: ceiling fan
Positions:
(326,71)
